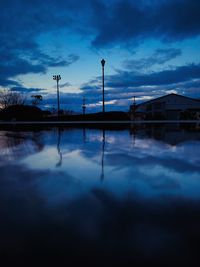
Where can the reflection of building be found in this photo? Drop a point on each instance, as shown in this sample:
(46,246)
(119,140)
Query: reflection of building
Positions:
(171,107)
(169,133)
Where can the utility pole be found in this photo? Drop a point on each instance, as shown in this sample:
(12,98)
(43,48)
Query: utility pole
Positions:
(103,64)
(57,78)
(134,107)
(84,106)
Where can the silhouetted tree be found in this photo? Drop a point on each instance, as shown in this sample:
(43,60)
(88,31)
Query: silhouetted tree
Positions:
(36,99)
(9,98)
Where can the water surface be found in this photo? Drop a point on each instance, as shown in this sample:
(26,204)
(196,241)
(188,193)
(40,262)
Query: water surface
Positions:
(100,197)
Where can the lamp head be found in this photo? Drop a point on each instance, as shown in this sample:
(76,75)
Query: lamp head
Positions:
(56,77)
(103,62)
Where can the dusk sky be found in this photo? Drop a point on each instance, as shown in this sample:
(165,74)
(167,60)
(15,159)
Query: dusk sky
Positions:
(151,48)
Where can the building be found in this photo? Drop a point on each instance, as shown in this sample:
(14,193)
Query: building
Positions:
(169,107)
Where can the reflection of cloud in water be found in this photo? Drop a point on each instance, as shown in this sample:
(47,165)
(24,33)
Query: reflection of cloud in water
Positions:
(150,166)
(17,145)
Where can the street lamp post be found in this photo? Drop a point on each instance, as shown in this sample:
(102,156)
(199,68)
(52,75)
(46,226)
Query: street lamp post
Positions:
(57,78)
(103,64)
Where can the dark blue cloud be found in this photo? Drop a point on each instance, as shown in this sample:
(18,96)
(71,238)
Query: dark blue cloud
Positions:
(20,66)
(4,81)
(26,90)
(59,62)
(20,52)
(165,77)
(131,22)
(12,64)
(17,65)
(64,85)
(160,56)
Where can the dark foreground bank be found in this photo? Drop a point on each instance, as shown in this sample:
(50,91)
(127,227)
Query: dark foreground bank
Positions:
(128,233)
(32,113)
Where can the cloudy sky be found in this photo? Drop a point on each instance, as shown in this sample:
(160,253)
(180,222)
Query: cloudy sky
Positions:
(151,48)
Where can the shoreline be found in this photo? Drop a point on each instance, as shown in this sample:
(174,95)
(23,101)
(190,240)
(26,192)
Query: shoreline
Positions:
(94,122)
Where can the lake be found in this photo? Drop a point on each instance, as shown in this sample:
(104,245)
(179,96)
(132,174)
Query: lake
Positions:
(100,197)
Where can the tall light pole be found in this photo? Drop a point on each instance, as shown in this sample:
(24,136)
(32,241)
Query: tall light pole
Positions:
(57,78)
(103,64)
(84,106)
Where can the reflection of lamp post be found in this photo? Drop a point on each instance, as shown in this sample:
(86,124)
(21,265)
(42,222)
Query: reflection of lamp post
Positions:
(58,149)
(57,78)
(102,158)
(103,64)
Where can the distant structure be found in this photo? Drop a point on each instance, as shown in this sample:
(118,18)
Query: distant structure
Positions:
(84,106)
(103,64)
(36,99)
(169,107)
(57,78)
(133,108)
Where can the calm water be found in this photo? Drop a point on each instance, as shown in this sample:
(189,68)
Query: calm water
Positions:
(100,197)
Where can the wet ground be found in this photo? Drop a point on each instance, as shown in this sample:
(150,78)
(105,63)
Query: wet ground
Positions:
(97,197)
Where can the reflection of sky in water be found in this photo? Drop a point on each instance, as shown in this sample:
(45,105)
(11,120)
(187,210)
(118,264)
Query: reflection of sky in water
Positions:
(122,195)
(130,164)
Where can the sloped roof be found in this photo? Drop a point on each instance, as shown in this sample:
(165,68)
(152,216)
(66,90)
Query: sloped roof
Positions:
(172,94)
